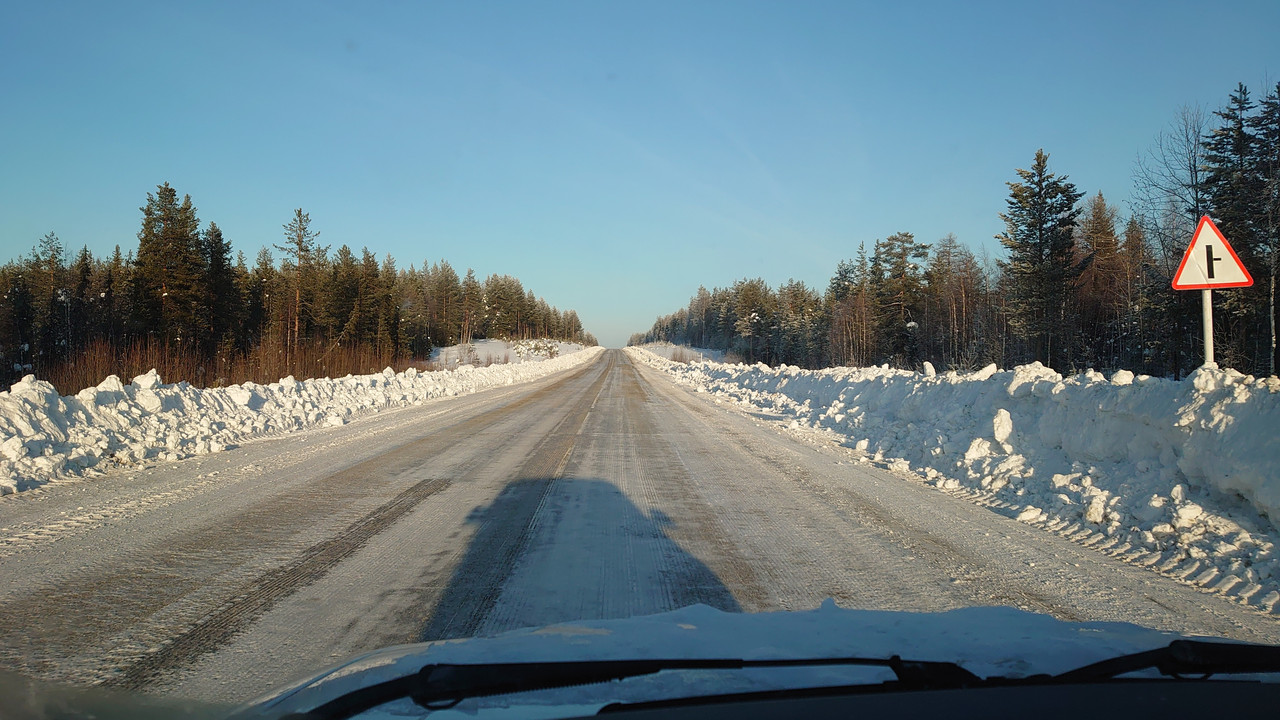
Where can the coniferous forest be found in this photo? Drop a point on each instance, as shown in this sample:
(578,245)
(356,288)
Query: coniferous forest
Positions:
(1079,286)
(182,304)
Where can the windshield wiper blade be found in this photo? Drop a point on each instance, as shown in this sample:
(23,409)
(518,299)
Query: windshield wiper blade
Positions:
(441,686)
(1180,659)
(1184,657)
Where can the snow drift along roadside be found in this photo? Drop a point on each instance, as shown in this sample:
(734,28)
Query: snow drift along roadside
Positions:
(44,435)
(1174,474)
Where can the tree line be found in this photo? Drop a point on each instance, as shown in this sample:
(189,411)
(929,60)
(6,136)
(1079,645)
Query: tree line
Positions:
(182,294)
(1078,286)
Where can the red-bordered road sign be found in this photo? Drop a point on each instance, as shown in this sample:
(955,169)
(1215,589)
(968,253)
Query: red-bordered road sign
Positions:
(1210,262)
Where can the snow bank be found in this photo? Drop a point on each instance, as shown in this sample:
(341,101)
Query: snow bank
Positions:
(44,435)
(1180,475)
(487,352)
(670,351)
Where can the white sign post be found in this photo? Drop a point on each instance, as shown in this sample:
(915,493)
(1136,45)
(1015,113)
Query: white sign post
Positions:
(1209,263)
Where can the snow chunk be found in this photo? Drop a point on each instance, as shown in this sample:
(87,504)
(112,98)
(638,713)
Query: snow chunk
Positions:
(1002,426)
(1187,515)
(985,373)
(1097,511)
(148,380)
(14,448)
(1031,514)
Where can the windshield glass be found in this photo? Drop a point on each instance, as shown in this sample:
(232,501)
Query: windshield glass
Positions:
(581,331)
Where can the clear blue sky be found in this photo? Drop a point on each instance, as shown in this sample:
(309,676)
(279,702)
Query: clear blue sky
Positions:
(612,155)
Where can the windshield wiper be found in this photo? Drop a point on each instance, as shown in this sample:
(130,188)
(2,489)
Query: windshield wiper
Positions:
(1184,657)
(441,686)
(1180,659)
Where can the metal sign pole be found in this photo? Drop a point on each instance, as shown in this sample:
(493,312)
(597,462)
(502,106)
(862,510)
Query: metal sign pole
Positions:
(1206,311)
(1202,271)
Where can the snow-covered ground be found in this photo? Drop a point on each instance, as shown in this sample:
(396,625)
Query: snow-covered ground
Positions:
(490,352)
(681,353)
(1182,476)
(44,436)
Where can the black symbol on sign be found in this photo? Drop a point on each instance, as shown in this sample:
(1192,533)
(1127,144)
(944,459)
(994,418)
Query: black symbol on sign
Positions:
(1208,251)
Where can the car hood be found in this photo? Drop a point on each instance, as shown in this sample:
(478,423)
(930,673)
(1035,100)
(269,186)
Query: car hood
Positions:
(986,641)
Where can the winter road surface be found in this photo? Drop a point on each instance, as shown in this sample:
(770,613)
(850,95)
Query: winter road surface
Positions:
(602,492)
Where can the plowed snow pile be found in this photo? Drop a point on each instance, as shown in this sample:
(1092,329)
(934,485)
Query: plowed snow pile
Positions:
(44,435)
(1183,475)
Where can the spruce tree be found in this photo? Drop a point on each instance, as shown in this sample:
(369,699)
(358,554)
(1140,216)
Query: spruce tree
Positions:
(169,301)
(52,298)
(390,338)
(1266,128)
(18,324)
(113,297)
(222,295)
(343,307)
(1235,190)
(446,292)
(1099,294)
(262,295)
(1232,182)
(1040,236)
(83,322)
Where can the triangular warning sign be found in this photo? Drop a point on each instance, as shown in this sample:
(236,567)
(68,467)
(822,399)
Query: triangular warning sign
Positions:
(1210,262)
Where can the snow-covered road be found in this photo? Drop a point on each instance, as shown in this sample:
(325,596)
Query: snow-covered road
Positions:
(603,491)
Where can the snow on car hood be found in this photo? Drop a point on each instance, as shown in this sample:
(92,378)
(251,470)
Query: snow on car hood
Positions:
(986,641)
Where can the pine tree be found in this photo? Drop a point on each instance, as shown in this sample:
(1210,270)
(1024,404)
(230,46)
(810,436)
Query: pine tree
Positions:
(1040,237)
(472,307)
(300,250)
(754,317)
(700,319)
(900,296)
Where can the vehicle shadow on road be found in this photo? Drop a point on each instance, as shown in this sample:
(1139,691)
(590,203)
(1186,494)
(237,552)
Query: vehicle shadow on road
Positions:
(548,551)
